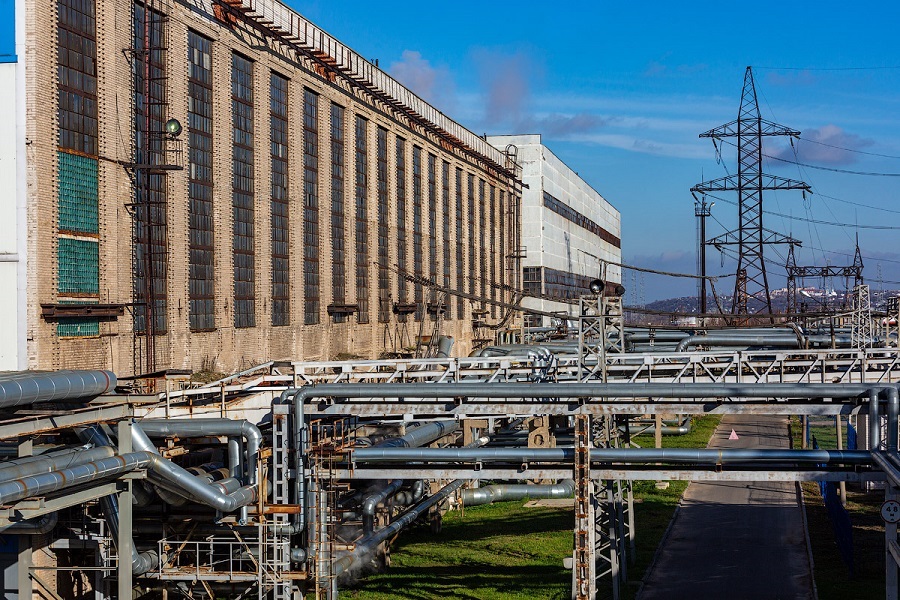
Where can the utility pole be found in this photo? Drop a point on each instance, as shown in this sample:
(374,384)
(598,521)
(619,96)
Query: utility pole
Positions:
(751,293)
(701,211)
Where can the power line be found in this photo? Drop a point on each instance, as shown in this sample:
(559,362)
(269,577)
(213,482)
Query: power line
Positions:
(807,140)
(887,68)
(811,220)
(833,169)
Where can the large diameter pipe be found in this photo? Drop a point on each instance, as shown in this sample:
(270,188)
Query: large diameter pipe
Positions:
(611,455)
(419,436)
(365,546)
(506,492)
(46,483)
(52,461)
(371,501)
(30,388)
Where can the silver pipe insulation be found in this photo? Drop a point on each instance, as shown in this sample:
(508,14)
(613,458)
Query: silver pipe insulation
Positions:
(37,526)
(141,562)
(31,387)
(874,421)
(371,502)
(421,435)
(893,412)
(714,339)
(505,492)
(52,461)
(366,545)
(192,428)
(610,455)
(190,485)
(587,390)
(45,483)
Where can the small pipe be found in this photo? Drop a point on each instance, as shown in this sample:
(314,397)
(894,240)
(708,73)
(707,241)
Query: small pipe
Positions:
(609,455)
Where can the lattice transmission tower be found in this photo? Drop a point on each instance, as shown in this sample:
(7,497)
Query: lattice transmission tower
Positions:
(751,291)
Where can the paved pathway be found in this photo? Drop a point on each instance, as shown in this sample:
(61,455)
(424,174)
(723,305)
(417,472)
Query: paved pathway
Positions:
(736,540)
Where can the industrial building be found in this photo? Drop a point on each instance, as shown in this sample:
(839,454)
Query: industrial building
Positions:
(213,184)
(570,234)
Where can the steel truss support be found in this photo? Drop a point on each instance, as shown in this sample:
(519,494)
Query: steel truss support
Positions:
(862,331)
(751,293)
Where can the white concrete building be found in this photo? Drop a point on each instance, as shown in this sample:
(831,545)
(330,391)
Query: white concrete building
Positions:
(569,231)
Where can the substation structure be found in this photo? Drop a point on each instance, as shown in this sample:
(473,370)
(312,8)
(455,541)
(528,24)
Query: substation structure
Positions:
(288,481)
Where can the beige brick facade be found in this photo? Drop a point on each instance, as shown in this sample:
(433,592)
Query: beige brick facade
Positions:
(227,348)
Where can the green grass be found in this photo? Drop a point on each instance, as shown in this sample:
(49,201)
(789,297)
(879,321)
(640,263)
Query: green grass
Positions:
(505,551)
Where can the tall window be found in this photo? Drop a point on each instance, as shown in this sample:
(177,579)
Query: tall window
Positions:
(482,244)
(78,244)
(310,208)
(242,200)
(432,218)
(445,213)
(502,233)
(201,251)
(362,228)
(401,218)
(338,233)
(472,233)
(278,136)
(150,248)
(417,228)
(384,282)
(492,254)
(460,245)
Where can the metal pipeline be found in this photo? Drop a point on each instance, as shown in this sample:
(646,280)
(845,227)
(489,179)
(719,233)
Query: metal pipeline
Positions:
(52,461)
(893,408)
(193,428)
(371,502)
(46,483)
(30,388)
(505,492)
(184,483)
(586,390)
(874,421)
(716,339)
(38,526)
(141,562)
(421,435)
(610,455)
(366,545)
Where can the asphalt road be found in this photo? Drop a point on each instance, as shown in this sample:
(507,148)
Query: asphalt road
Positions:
(735,540)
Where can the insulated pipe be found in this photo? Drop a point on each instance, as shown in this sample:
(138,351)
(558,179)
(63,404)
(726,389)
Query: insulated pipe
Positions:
(715,339)
(413,495)
(38,526)
(609,455)
(52,461)
(874,421)
(192,428)
(186,484)
(893,398)
(46,483)
(141,562)
(371,502)
(504,492)
(368,544)
(586,390)
(31,387)
(421,435)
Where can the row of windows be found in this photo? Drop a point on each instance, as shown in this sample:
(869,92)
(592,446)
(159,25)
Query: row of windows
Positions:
(554,284)
(243,192)
(280,218)
(572,215)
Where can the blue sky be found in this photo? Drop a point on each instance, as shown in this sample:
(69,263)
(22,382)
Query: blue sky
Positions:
(621,91)
(7,30)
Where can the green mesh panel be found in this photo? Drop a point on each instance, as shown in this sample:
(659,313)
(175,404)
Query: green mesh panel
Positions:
(77,193)
(79,271)
(77,327)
